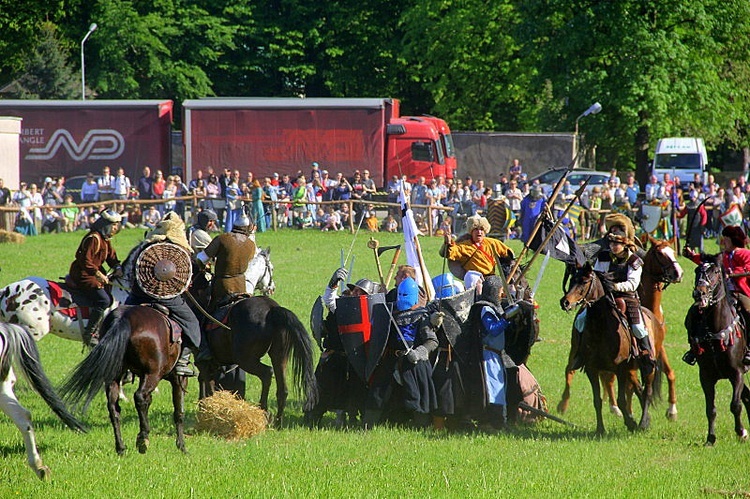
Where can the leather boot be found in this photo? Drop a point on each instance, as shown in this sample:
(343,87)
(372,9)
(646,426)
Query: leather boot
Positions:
(90,335)
(182,367)
(645,351)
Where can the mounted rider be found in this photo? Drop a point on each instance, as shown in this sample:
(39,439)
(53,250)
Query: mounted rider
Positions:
(199,234)
(164,282)
(87,275)
(474,251)
(231,252)
(625,268)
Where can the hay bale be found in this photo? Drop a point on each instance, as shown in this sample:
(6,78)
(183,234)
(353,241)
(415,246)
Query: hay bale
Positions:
(11,237)
(226,415)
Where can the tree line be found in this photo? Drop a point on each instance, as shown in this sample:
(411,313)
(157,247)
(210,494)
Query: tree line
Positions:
(658,67)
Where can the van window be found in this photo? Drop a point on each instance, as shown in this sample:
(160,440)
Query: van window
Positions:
(677,162)
(422,151)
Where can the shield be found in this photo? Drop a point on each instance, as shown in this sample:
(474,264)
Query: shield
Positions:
(363,325)
(316,321)
(163,270)
(733,216)
(499,217)
(651,217)
(459,305)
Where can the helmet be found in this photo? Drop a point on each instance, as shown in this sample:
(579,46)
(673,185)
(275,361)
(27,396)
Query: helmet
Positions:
(107,224)
(110,216)
(242,224)
(407,294)
(369,287)
(492,288)
(204,217)
(445,285)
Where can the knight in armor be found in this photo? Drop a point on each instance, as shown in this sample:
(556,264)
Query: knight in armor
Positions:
(474,250)
(401,387)
(359,288)
(402,273)
(87,272)
(735,259)
(624,267)
(170,229)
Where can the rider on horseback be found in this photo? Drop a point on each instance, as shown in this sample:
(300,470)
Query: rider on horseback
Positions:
(735,259)
(87,274)
(200,233)
(625,268)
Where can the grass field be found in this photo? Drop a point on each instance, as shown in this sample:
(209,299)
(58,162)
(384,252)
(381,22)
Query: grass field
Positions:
(545,460)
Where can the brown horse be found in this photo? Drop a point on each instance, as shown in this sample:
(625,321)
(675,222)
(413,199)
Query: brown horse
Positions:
(660,268)
(607,346)
(140,339)
(715,329)
(259,326)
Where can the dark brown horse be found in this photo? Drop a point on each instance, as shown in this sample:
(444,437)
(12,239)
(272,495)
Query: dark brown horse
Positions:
(142,340)
(719,341)
(660,268)
(259,326)
(607,346)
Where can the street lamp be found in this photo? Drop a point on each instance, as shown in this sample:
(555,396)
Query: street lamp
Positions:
(92,28)
(593,109)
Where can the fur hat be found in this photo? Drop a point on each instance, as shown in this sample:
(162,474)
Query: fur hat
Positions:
(170,228)
(622,221)
(477,222)
(735,234)
(618,234)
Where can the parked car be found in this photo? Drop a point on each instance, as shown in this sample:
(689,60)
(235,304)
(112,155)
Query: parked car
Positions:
(549,179)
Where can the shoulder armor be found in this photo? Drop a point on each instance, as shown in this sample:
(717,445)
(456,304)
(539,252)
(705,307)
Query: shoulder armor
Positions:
(635,261)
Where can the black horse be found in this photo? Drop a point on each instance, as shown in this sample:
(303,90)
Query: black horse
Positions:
(259,326)
(716,335)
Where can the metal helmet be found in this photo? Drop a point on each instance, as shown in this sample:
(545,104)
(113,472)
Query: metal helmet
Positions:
(111,216)
(204,217)
(492,289)
(446,285)
(366,285)
(407,294)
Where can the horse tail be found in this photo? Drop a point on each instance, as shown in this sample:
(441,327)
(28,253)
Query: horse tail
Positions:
(22,348)
(302,352)
(103,364)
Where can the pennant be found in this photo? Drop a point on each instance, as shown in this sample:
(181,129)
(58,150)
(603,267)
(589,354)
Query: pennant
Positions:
(410,233)
(560,246)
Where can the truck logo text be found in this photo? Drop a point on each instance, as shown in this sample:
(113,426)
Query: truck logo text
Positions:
(103,144)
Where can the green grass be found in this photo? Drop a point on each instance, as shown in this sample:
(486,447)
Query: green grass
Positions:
(546,460)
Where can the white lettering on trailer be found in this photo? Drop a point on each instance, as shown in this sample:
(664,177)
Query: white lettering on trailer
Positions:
(106,144)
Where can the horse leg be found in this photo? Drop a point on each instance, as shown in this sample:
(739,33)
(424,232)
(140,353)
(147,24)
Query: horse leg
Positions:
(113,407)
(669,372)
(735,405)
(593,376)
(646,395)
(142,399)
(565,400)
(279,361)
(608,382)
(709,391)
(746,399)
(179,387)
(264,373)
(22,419)
(623,385)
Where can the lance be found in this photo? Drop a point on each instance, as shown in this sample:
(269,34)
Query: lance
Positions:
(526,407)
(396,255)
(377,250)
(557,224)
(539,221)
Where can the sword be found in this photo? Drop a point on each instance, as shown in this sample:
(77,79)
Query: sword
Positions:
(526,407)
(400,334)
(540,274)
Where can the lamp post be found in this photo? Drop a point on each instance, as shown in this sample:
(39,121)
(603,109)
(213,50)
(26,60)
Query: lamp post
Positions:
(92,28)
(593,109)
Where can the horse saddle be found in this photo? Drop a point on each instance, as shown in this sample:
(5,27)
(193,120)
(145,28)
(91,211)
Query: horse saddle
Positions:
(68,300)
(221,314)
(175,330)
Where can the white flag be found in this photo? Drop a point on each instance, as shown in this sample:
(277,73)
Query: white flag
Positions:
(410,233)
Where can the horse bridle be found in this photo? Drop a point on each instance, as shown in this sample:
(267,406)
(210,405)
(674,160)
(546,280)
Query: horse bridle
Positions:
(717,291)
(583,300)
(664,268)
(266,272)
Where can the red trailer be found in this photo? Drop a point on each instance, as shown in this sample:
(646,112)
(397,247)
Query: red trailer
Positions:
(75,137)
(286,135)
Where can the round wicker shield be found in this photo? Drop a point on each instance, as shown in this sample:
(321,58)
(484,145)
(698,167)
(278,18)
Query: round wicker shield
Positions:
(164,270)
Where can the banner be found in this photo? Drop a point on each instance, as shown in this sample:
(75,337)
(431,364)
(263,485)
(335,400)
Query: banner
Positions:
(560,246)
(410,233)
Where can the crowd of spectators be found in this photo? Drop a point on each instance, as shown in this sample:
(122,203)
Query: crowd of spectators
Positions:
(319,200)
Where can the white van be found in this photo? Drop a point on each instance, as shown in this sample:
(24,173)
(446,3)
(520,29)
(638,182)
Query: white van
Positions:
(681,157)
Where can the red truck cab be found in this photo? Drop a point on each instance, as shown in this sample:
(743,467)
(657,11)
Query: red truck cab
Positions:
(414,149)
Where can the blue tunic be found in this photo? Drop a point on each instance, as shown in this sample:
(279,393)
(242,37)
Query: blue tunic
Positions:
(494,372)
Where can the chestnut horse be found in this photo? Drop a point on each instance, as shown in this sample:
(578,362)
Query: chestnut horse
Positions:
(607,346)
(146,342)
(715,329)
(660,268)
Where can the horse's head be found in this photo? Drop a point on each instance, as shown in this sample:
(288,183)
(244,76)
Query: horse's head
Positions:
(585,287)
(709,285)
(661,262)
(259,273)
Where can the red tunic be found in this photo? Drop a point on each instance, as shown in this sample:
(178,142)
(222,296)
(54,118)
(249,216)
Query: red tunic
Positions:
(86,270)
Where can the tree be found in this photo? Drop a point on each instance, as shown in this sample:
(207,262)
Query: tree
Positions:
(46,72)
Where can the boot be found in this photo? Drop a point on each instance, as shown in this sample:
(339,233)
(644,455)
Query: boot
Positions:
(205,355)
(690,358)
(644,349)
(182,367)
(90,334)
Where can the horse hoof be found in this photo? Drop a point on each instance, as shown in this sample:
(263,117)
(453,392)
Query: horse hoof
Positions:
(142,445)
(743,436)
(709,443)
(44,473)
(615,410)
(121,452)
(562,407)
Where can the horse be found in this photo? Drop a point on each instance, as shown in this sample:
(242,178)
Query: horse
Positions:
(259,273)
(257,325)
(17,347)
(607,345)
(144,341)
(716,331)
(660,268)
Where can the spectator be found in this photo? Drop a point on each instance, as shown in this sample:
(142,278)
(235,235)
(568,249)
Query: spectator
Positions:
(194,182)
(332,220)
(145,183)
(52,220)
(50,196)
(170,191)
(90,190)
(258,209)
(157,188)
(151,217)
(106,191)
(653,189)
(370,187)
(69,212)
(120,188)
(233,195)
(390,224)
(515,169)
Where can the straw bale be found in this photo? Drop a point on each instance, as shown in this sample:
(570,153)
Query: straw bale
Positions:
(226,415)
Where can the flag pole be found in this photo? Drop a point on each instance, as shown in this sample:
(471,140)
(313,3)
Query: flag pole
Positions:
(557,224)
(422,268)
(538,224)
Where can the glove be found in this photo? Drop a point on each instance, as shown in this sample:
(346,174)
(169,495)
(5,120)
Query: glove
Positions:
(436,319)
(340,275)
(103,280)
(608,285)
(117,272)
(416,354)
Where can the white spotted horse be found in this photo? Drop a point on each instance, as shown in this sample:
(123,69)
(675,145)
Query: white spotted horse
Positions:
(17,348)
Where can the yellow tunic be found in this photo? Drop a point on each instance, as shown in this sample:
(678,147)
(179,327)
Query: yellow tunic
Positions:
(478,258)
